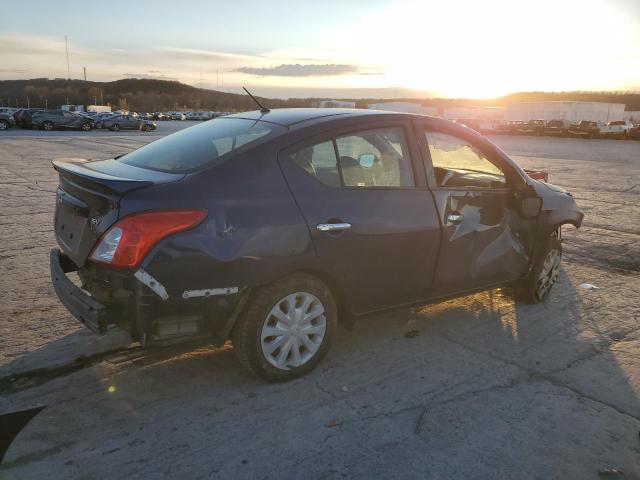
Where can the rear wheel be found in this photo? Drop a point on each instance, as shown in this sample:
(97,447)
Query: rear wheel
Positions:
(286,328)
(115,127)
(48,126)
(146,128)
(4,125)
(86,126)
(543,276)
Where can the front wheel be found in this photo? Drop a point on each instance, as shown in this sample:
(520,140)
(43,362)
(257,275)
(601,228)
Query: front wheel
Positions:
(4,125)
(86,126)
(535,287)
(286,328)
(48,126)
(115,127)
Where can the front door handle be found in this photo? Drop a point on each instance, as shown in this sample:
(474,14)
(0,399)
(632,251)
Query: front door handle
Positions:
(333,227)
(455,218)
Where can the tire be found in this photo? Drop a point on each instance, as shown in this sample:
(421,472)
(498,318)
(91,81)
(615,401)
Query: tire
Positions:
(4,125)
(146,128)
(85,127)
(262,354)
(535,287)
(115,127)
(48,126)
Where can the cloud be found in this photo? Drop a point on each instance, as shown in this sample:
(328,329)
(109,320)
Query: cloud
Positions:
(298,70)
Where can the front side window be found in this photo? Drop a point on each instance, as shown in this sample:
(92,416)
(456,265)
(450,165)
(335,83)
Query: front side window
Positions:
(197,146)
(458,163)
(375,158)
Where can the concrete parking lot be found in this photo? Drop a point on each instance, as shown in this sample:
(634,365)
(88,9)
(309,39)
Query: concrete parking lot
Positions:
(478,387)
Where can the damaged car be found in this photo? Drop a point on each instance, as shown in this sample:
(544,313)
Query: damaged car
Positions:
(269,228)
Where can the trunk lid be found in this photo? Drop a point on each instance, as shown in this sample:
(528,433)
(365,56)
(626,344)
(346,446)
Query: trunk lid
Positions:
(88,199)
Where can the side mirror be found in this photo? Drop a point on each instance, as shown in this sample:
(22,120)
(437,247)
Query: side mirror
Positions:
(366,160)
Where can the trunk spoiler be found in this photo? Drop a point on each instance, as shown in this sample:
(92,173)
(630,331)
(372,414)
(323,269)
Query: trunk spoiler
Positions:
(110,176)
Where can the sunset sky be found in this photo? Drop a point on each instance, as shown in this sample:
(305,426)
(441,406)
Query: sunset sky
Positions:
(333,48)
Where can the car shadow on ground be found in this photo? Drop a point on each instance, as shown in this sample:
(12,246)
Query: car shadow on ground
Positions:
(468,388)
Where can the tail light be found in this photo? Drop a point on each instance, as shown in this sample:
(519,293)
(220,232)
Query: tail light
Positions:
(127,242)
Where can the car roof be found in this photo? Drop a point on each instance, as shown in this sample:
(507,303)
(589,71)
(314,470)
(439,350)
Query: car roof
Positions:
(291,116)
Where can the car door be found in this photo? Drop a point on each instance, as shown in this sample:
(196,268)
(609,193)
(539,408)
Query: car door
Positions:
(373,222)
(68,119)
(485,239)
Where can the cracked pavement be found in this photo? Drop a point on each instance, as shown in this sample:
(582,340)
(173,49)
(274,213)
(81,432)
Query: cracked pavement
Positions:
(486,389)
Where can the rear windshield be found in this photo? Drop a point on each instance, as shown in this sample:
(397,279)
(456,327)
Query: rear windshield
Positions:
(205,144)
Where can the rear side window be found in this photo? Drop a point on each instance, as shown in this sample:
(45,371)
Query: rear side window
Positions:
(371,158)
(320,161)
(204,144)
(375,158)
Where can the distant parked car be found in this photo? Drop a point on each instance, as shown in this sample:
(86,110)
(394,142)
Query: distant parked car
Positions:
(616,129)
(102,116)
(634,133)
(22,117)
(6,121)
(159,116)
(127,122)
(510,128)
(52,119)
(585,129)
(532,127)
(178,116)
(8,110)
(559,128)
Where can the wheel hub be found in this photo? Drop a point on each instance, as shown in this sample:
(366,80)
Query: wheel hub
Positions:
(293,330)
(549,273)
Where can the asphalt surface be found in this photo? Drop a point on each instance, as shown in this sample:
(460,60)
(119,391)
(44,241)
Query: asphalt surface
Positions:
(478,387)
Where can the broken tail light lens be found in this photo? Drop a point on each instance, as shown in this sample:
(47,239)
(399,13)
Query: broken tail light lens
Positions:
(129,240)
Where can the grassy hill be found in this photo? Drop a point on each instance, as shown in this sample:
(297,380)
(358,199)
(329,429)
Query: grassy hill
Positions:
(137,94)
(163,95)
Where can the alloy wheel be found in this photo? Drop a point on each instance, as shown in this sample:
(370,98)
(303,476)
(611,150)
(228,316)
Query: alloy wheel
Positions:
(293,330)
(549,273)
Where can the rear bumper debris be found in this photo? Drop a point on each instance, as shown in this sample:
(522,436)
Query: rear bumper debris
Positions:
(82,306)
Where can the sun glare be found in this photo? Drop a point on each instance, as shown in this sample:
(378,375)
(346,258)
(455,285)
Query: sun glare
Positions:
(486,49)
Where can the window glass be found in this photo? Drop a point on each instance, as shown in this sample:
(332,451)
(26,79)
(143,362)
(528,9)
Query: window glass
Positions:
(320,161)
(196,146)
(457,163)
(375,158)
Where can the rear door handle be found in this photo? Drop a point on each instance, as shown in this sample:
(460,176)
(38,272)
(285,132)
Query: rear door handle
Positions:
(455,218)
(333,227)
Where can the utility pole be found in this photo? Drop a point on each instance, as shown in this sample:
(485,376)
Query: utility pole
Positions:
(66,46)
(28,104)
(85,73)
(46,103)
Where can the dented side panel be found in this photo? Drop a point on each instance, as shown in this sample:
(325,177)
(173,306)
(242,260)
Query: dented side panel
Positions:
(488,243)
(253,233)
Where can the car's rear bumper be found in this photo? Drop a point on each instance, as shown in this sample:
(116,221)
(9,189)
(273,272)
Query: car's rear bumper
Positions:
(82,306)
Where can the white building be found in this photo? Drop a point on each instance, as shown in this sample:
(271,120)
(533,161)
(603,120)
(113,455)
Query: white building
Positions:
(633,115)
(571,111)
(335,104)
(476,113)
(404,107)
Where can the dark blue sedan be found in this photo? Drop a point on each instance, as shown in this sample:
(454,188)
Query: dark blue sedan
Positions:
(271,228)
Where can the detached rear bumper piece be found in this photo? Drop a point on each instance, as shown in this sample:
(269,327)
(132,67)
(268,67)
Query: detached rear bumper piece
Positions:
(85,308)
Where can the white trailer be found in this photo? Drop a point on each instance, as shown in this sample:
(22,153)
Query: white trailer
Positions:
(571,111)
(98,108)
